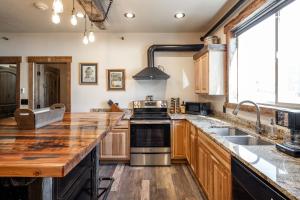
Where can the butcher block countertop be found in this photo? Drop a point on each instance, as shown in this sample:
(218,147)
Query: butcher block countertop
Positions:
(53,150)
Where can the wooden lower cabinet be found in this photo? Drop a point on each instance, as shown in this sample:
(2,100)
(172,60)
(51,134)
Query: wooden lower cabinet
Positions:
(213,168)
(178,139)
(115,145)
(188,142)
(193,143)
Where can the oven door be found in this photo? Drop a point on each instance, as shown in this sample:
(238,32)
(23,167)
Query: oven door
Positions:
(150,136)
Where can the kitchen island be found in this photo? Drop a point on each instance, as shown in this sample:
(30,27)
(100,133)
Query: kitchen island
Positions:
(58,161)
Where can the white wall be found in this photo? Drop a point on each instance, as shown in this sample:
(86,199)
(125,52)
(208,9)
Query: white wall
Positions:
(109,51)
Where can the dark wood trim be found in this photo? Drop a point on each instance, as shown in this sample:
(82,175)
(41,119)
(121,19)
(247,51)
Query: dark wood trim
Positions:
(14,60)
(10,59)
(256,4)
(49,59)
(249,108)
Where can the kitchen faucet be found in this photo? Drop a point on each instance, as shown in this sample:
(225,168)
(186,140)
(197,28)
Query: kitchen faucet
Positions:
(258,123)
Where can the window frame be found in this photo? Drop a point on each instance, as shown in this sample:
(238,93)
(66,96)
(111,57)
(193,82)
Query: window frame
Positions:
(253,14)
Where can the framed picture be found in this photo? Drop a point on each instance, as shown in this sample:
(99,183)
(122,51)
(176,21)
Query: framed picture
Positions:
(116,79)
(88,73)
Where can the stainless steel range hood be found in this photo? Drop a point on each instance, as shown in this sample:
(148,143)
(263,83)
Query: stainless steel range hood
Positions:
(153,73)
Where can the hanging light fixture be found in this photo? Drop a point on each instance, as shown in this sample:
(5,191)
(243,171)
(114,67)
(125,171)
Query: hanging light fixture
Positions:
(73,17)
(55,18)
(58,6)
(91,34)
(85,37)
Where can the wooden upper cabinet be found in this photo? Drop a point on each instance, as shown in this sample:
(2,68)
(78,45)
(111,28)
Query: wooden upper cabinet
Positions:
(209,70)
(178,139)
(115,145)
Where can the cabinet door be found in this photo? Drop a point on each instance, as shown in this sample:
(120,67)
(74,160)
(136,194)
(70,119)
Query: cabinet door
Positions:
(178,139)
(204,74)
(221,189)
(197,75)
(193,148)
(115,145)
(202,164)
(188,142)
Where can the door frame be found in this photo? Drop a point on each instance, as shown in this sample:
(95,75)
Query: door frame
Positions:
(48,59)
(17,61)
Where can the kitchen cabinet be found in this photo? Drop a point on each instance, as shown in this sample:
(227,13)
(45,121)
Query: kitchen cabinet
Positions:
(178,139)
(209,70)
(214,168)
(115,145)
(188,142)
(193,144)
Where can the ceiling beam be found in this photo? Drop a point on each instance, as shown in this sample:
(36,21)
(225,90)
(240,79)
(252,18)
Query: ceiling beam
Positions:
(98,12)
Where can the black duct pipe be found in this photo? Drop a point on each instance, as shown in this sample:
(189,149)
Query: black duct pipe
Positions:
(153,73)
(239,4)
(170,48)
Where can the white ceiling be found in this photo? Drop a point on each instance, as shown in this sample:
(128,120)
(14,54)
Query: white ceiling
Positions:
(151,16)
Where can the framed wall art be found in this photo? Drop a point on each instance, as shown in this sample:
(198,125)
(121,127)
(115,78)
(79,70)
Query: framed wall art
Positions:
(116,79)
(88,73)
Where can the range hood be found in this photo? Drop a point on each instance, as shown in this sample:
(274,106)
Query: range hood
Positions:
(154,73)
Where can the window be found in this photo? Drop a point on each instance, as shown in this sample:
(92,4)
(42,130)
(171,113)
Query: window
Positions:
(265,65)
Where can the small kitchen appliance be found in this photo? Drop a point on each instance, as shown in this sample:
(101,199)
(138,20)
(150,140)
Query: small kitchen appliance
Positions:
(197,108)
(291,120)
(150,134)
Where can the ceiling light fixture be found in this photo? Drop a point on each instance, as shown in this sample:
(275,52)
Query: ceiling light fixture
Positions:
(58,6)
(129,15)
(179,15)
(85,37)
(55,18)
(41,5)
(73,17)
(79,14)
(91,34)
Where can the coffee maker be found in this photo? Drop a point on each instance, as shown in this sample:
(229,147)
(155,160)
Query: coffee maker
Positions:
(290,119)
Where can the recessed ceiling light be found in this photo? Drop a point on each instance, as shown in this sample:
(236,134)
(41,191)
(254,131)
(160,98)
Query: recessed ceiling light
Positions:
(129,15)
(41,5)
(79,14)
(179,15)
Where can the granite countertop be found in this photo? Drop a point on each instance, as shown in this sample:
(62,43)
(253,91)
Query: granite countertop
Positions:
(53,150)
(279,169)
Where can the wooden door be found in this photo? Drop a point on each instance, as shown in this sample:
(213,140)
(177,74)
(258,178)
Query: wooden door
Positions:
(221,178)
(51,86)
(204,74)
(197,75)
(178,139)
(7,91)
(188,142)
(115,145)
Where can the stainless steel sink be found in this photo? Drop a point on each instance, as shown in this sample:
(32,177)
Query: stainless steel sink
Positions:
(227,131)
(247,140)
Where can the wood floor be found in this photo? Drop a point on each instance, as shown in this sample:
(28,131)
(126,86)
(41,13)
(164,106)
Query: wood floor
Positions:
(151,183)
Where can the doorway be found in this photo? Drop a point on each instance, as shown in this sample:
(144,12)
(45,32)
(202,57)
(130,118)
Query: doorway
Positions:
(9,85)
(49,81)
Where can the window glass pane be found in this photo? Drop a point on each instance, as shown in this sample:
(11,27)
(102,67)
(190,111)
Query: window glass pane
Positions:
(289,54)
(256,63)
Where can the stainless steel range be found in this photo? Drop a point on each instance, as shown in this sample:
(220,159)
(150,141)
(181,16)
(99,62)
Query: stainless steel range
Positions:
(150,135)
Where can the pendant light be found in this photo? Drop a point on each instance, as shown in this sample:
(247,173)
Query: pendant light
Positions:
(55,18)
(73,17)
(58,6)
(91,34)
(85,37)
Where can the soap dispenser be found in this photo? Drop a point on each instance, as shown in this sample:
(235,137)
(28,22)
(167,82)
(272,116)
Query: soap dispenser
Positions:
(273,131)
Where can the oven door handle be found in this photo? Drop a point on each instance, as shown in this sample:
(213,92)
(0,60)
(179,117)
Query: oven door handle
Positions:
(150,122)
